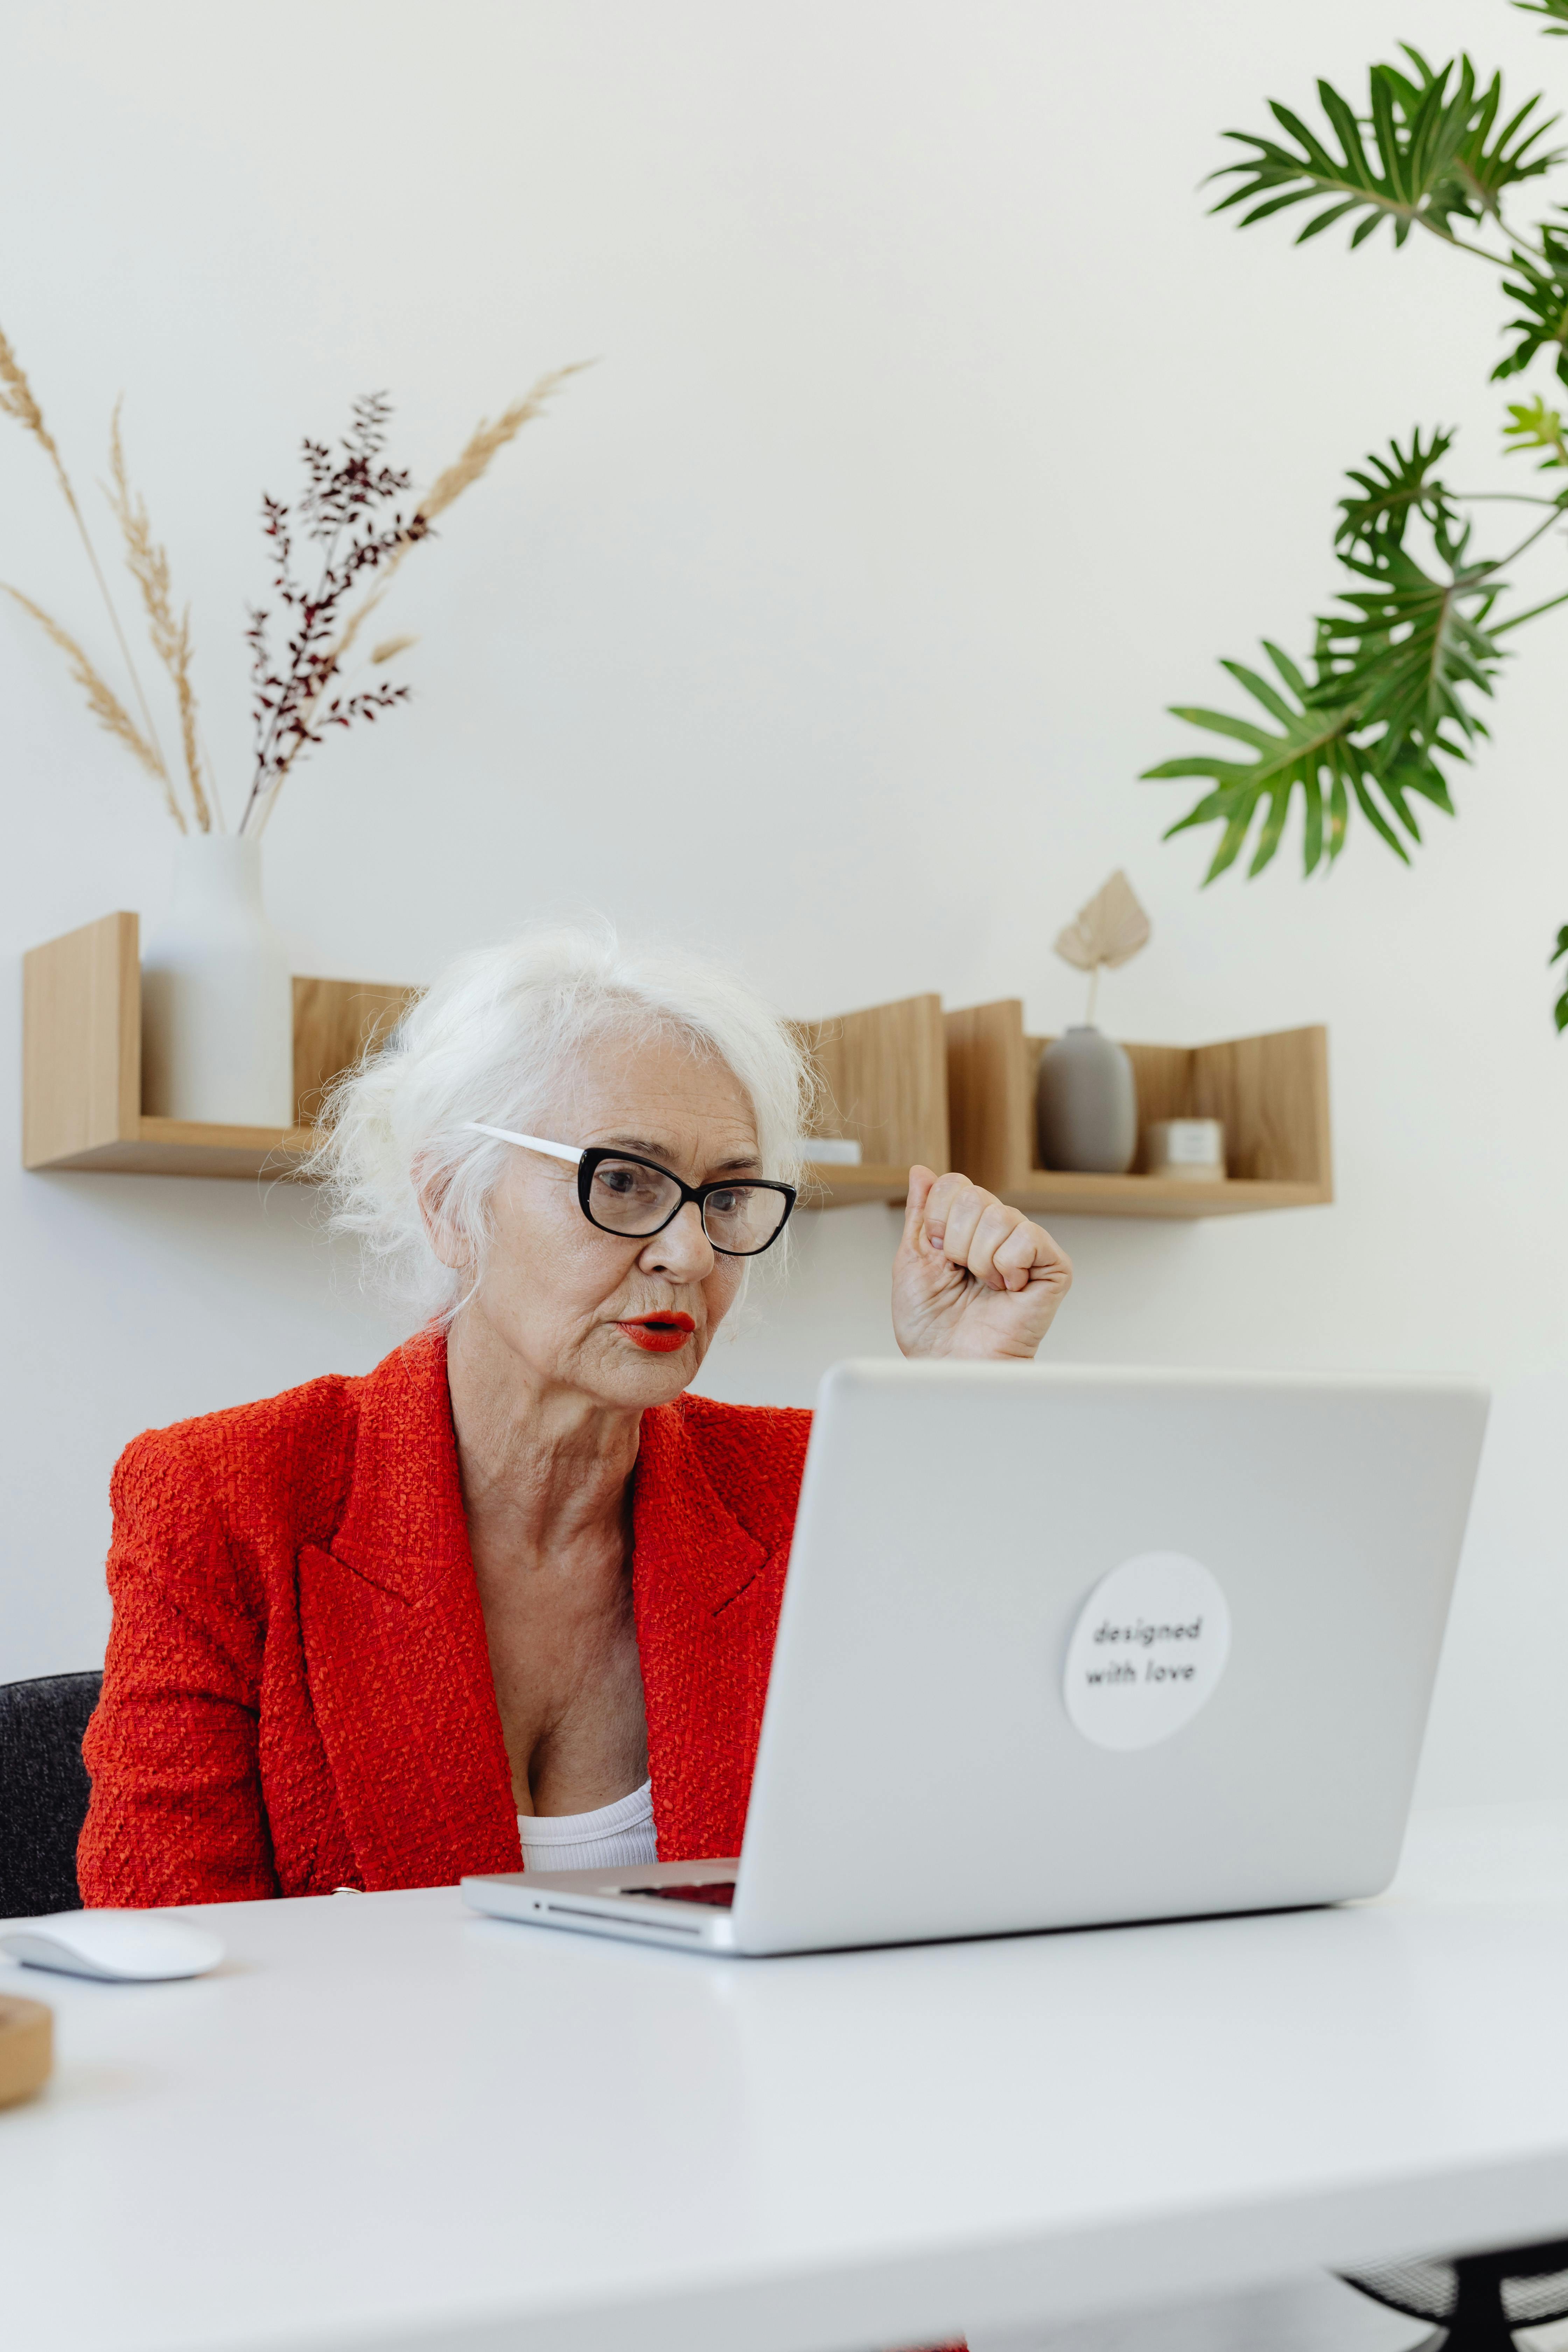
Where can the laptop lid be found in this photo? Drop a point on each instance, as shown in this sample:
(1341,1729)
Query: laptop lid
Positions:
(1064,1645)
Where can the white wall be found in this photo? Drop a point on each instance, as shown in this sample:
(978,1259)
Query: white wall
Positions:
(938,440)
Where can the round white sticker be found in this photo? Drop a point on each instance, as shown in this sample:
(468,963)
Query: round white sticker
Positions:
(1148,1650)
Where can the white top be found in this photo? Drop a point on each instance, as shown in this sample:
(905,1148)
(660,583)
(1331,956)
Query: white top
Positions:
(403,2125)
(613,1837)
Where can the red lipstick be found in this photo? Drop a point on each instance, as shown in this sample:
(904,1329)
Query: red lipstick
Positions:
(660,1334)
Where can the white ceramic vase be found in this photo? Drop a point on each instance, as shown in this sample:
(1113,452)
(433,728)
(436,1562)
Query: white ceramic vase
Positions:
(218,1008)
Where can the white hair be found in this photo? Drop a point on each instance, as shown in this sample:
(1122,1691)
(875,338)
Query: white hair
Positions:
(489,1040)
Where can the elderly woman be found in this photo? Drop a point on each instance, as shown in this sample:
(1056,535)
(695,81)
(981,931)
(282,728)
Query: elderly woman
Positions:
(514,1591)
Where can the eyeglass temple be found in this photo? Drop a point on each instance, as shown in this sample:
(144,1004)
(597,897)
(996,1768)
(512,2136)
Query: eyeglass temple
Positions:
(529,1142)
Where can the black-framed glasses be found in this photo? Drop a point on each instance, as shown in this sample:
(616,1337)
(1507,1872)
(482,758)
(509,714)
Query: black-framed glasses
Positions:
(623,1193)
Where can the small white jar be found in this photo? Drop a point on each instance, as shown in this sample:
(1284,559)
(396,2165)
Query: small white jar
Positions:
(1191,1149)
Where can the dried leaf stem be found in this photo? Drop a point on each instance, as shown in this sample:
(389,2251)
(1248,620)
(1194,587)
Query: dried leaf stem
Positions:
(16,400)
(148,564)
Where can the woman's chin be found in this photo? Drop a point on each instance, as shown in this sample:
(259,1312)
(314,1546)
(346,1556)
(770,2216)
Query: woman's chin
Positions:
(638,1374)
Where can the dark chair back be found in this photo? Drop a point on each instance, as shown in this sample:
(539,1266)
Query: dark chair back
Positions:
(44,1791)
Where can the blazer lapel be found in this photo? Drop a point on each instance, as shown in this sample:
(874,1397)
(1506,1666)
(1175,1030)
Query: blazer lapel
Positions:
(706,1593)
(395,1646)
(399,1667)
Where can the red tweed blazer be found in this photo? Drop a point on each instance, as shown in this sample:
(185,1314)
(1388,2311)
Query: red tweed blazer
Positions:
(298,1691)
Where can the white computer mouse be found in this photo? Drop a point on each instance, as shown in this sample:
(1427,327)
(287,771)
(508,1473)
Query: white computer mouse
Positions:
(126,1946)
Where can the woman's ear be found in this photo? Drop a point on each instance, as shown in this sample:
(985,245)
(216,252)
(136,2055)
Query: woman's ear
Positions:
(430,1189)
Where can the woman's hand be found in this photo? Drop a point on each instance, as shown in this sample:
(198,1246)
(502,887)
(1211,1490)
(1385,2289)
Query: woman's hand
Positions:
(973,1278)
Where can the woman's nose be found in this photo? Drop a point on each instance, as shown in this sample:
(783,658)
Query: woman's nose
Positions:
(683,1249)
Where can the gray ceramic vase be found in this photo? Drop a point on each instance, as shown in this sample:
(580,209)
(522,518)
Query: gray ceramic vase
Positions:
(1086,1105)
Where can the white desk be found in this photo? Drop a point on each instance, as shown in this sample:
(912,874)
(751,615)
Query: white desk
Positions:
(387,2122)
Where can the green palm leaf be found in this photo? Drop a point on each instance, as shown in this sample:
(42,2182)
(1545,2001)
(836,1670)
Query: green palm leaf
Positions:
(1391,492)
(1395,669)
(1408,643)
(1483,165)
(1399,665)
(1489,170)
(1556,9)
(1540,286)
(1536,427)
(1311,749)
(1406,178)
(1432,156)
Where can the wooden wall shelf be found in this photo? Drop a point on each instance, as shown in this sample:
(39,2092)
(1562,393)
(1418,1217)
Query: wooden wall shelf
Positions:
(884,1079)
(1272,1092)
(901,1080)
(883,1070)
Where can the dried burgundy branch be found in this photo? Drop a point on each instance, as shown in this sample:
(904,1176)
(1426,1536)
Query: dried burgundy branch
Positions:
(349,509)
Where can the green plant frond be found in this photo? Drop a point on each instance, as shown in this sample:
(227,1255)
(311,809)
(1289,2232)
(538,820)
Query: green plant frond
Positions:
(1273,826)
(1427,150)
(1508,161)
(1259,690)
(1416,772)
(1318,221)
(1413,770)
(1369,227)
(1220,722)
(1287,669)
(1483,165)
(1451,537)
(1312,825)
(1377,821)
(1540,286)
(1561,948)
(1556,10)
(1536,427)
(1413,172)
(1393,794)
(1316,753)
(1409,644)
(1392,487)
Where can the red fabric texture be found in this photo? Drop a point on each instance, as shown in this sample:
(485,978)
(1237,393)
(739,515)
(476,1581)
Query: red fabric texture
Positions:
(298,1695)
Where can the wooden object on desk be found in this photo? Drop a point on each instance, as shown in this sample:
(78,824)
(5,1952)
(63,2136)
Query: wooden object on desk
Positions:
(884,1081)
(1272,1093)
(883,1071)
(26,2048)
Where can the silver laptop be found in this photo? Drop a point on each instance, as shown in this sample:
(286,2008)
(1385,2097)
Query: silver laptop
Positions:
(1061,1647)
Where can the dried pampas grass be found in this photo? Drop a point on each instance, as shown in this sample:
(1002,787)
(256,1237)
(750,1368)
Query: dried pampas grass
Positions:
(350,490)
(148,565)
(17,400)
(486,438)
(474,462)
(106,708)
